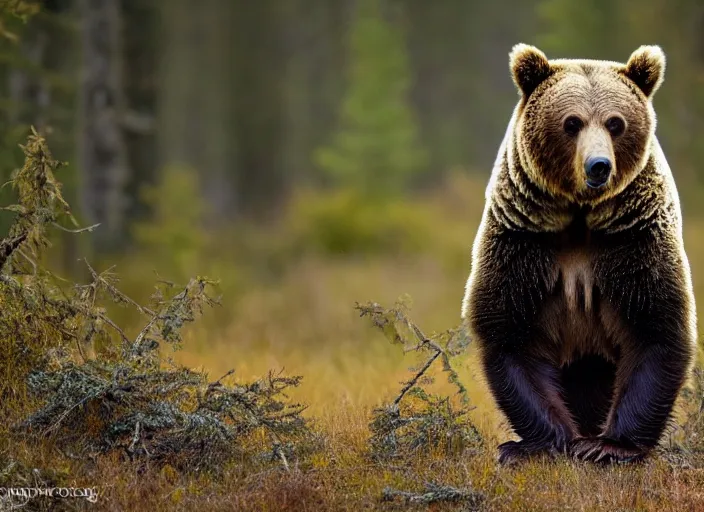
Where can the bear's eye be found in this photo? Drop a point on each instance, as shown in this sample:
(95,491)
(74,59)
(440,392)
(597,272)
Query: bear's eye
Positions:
(572,125)
(615,125)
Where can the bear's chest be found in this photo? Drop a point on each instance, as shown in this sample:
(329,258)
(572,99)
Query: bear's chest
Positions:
(574,317)
(573,272)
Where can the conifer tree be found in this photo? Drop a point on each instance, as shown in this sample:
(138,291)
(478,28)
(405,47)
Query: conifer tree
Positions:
(377,147)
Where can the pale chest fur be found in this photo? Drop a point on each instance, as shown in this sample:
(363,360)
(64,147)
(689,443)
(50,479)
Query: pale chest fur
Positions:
(575,318)
(576,275)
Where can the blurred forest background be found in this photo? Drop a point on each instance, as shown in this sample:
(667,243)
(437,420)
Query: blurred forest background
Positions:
(308,153)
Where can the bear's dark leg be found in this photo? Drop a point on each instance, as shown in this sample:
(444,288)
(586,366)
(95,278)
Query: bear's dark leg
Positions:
(511,278)
(655,353)
(589,387)
(527,391)
(647,384)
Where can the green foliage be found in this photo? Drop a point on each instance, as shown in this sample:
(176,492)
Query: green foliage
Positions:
(346,222)
(40,203)
(421,423)
(575,29)
(174,238)
(377,148)
(417,420)
(20,9)
(173,235)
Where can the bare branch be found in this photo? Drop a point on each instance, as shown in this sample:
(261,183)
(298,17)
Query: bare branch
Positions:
(99,279)
(81,230)
(416,377)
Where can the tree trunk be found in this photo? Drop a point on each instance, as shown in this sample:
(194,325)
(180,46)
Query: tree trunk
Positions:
(140,35)
(195,91)
(260,73)
(219,148)
(28,93)
(102,149)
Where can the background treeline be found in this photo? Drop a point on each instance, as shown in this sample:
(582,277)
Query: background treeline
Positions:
(258,99)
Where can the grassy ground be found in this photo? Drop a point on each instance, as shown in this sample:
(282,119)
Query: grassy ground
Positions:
(348,376)
(349,369)
(344,480)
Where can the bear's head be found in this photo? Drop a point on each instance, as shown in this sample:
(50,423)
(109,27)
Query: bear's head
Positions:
(583,127)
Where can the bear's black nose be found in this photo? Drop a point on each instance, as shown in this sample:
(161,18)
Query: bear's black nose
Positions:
(598,170)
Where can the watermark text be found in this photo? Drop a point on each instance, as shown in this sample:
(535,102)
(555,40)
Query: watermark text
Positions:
(25,494)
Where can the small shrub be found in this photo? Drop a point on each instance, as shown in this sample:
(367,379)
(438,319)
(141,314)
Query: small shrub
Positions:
(95,389)
(36,324)
(417,420)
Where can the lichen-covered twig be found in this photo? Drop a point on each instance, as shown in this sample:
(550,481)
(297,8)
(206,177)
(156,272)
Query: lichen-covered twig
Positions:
(434,494)
(105,280)
(75,231)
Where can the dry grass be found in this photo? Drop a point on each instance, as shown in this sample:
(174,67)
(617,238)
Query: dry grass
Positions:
(346,482)
(349,369)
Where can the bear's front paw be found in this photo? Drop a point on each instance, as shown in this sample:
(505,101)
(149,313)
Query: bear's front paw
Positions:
(603,450)
(512,452)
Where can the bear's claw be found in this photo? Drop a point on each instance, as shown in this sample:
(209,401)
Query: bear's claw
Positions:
(606,451)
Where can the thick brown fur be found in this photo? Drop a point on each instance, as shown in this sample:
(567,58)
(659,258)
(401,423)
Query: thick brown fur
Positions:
(580,299)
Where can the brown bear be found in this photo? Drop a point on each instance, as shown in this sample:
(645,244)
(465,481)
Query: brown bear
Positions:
(580,296)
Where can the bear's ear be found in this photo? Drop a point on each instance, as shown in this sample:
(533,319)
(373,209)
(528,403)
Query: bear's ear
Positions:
(529,67)
(646,68)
